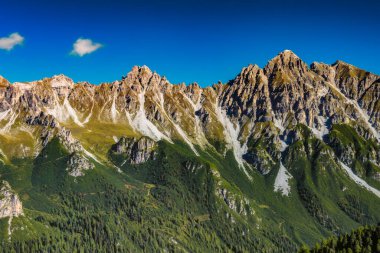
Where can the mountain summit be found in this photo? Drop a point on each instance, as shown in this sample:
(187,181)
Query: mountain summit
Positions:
(272,159)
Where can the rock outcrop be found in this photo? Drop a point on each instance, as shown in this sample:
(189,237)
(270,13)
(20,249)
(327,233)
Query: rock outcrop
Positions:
(78,164)
(10,204)
(68,141)
(137,150)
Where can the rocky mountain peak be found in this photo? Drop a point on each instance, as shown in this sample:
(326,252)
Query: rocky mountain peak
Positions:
(247,94)
(285,67)
(140,72)
(285,57)
(143,78)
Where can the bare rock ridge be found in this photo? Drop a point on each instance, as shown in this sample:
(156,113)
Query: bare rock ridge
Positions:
(145,108)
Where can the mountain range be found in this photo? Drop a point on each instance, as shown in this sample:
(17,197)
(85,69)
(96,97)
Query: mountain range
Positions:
(275,158)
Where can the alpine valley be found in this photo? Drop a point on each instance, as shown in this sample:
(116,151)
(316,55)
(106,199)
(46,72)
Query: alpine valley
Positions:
(278,157)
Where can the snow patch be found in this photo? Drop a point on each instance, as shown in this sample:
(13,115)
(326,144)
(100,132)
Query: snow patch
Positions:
(362,113)
(129,119)
(4,114)
(283,146)
(278,124)
(358,180)
(10,123)
(281,183)
(185,138)
(63,112)
(72,112)
(320,133)
(190,101)
(177,127)
(200,137)
(115,139)
(367,119)
(232,137)
(87,119)
(91,156)
(145,126)
(114,112)
(102,109)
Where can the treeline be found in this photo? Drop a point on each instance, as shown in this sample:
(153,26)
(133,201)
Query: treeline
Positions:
(362,240)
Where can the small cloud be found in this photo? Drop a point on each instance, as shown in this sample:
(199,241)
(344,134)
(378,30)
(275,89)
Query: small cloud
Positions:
(82,47)
(8,43)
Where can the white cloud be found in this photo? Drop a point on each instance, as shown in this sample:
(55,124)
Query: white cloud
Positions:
(8,43)
(82,47)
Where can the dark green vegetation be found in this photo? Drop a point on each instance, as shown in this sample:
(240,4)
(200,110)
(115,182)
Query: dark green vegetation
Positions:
(180,202)
(364,239)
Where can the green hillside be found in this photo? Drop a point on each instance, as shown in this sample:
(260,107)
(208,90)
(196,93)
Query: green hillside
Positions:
(180,202)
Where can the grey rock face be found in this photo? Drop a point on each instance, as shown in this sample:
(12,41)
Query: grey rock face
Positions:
(41,119)
(68,141)
(237,204)
(77,165)
(192,166)
(138,150)
(260,160)
(248,94)
(10,204)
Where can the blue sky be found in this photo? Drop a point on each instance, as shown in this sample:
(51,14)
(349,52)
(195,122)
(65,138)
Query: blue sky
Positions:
(187,41)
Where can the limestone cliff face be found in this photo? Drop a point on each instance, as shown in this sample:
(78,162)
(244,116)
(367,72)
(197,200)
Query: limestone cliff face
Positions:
(136,150)
(258,105)
(78,164)
(68,141)
(10,204)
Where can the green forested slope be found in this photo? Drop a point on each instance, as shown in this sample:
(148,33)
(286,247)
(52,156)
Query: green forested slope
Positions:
(180,202)
(363,239)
